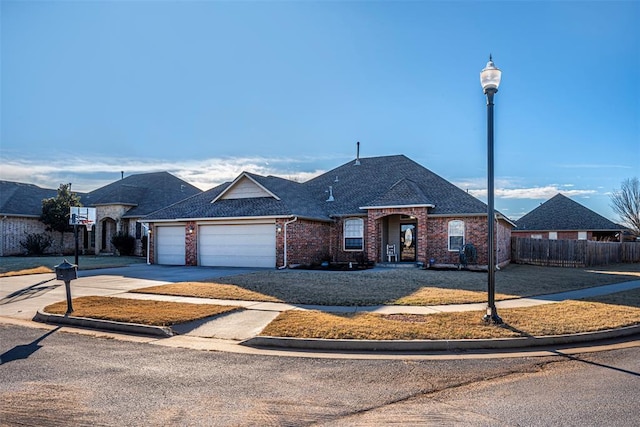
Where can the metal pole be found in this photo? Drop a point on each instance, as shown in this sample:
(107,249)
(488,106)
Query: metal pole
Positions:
(75,234)
(67,287)
(492,312)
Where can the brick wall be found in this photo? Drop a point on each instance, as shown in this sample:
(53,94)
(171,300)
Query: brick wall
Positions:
(15,229)
(308,242)
(191,243)
(151,244)
(475,233)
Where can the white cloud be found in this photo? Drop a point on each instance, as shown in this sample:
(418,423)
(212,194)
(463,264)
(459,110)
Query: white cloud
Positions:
(88,175)
(541,193)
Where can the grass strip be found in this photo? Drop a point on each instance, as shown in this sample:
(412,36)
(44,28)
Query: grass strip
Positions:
(423,296)
(567,317)
(207,290)
(35,270)
(146,312)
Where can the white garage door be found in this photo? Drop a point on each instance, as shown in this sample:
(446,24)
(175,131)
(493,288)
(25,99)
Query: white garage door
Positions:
(242,245)
(170,245)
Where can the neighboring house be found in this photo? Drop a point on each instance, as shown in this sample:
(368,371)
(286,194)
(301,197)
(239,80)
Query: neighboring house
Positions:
(120,204)
(564,219)
(118,207)
(20,209)
(349,214)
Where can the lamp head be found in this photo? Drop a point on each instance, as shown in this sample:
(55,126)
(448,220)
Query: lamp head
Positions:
(490,77)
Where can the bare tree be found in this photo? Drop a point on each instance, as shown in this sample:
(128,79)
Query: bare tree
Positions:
(626,203)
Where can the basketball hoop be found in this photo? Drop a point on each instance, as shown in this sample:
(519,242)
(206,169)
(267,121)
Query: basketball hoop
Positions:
(87,223)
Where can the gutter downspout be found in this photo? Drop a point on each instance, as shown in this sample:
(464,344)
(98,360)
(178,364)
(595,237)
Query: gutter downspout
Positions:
(285,242)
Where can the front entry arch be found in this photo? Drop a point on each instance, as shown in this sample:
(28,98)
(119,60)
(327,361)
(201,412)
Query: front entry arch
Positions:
(108,229)
(405,228)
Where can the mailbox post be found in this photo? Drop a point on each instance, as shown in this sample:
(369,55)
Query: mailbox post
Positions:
(67,272)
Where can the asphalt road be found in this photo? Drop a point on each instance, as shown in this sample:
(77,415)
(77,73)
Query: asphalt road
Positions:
(58,378)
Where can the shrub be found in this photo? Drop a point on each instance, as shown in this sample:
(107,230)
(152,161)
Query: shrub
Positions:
(124,242)
(36,244)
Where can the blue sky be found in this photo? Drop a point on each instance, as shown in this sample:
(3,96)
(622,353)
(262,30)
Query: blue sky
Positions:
(208,89)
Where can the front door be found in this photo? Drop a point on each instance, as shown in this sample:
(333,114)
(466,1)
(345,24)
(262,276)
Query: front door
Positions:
(408,242)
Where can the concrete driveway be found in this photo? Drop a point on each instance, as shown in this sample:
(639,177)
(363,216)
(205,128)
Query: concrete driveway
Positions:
(22,296)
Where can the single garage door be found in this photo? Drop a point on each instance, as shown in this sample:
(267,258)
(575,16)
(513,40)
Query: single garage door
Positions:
(170,245)
(237,245)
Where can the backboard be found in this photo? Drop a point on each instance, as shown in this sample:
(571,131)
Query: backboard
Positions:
(82,216)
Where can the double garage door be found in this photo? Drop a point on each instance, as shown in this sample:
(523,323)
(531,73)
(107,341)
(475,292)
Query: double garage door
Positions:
(229,245)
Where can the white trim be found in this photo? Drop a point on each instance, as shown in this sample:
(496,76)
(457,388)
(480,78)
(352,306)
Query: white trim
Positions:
(398,206)
(234,218)
(235,181)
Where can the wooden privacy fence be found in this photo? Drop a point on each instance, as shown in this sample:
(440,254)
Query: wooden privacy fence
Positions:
(572,253)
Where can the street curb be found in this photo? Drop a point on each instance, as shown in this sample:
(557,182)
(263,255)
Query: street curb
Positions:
(107,325)
(436,345)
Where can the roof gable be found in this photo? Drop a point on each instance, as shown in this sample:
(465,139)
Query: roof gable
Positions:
(245,187)
(403,193)
(562,213)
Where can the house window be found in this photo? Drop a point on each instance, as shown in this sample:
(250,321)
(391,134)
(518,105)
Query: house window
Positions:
(456,235)
(582,235)
(553,235)
(354,234)
(536,236)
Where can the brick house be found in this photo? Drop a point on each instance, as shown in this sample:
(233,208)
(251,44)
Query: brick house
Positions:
(561,218)
(20,209)
(118,205)
(355,212)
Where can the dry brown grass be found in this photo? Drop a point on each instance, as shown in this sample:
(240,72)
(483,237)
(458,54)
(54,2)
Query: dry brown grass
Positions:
(156,313)
(398,286)
(207,290)
(437,296)
(35,270)
(617,310)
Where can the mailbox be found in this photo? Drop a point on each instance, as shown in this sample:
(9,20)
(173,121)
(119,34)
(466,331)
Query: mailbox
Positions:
(66,271)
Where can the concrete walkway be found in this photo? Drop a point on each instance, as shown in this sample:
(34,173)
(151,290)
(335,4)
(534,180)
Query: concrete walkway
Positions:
(22,297)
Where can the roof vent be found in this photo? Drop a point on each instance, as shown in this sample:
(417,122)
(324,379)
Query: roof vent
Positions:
(330,199)
(336,180)
(357,163)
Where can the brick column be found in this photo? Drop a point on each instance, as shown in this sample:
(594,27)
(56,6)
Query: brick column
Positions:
(191,243)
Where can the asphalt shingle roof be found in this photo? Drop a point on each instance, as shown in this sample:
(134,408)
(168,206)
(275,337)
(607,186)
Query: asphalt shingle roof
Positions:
(145,192)
(19,199)
(562,213)
(377,181)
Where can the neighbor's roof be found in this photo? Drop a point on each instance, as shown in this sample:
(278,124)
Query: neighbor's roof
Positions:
(145,192)
(563,214)
(375,182)
(20,199)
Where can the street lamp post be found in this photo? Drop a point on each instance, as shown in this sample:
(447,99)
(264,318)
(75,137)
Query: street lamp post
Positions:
(490,80)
